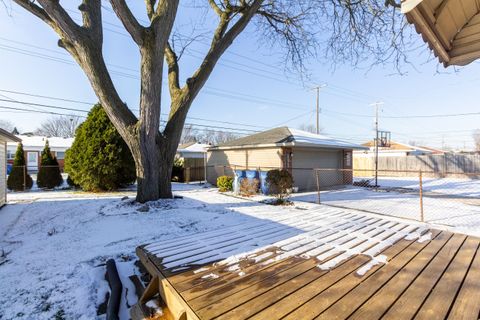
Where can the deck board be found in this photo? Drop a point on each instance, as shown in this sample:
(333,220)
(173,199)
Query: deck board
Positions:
(307,266)
(467,303)
(389,293)
(448,285)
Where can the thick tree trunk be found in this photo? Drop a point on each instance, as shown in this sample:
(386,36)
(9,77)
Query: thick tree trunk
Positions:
(146,158)
(164,181)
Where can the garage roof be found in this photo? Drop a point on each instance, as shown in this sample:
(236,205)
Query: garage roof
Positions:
(7,136)
(450,27)
(287,137)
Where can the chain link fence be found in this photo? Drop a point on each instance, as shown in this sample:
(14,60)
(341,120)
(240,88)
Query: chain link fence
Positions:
(450,198)
(23,172)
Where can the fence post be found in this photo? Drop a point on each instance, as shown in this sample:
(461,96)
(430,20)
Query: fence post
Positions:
(24,178)
(318,185)
(421,195)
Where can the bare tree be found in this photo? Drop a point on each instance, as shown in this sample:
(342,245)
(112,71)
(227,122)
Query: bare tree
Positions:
(476,140)
(61,126)
(216,137)
(7,125)
(189,134)
(208,136)
(309,128)
(288,24)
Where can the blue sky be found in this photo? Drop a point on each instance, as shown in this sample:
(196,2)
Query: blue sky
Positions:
(249,85)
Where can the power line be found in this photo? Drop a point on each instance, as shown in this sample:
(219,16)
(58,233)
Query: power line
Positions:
(40,111)
(46,97)
(295,118)
(448,115)
(90,103)
(86,111)
(343,95)
(207,89)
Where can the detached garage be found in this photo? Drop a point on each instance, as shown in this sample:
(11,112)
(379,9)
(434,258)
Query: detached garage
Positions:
(4,138)
(285,148)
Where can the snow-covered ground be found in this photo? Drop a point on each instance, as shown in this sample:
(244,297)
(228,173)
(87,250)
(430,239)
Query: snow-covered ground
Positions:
(450,203)
(451,186)
(56,243)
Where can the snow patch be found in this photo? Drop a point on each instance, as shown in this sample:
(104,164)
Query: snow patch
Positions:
(153,304)
(211,276)
(381,259)
(200,270)
(233,268)
(426,237)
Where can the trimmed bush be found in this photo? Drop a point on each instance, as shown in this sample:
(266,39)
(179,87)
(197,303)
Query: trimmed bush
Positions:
(249,187)
(178,170)
(280,183)
(19,179)
(99,159)
(49,175)
(225,183)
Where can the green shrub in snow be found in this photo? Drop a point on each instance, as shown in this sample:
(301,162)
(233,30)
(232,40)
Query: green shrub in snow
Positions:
(99,159)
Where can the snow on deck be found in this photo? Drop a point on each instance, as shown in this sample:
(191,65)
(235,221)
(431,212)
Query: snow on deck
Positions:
(319,233)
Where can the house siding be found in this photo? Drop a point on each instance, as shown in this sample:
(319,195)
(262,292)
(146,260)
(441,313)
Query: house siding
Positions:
(3,172)
(300,164)
(223,162)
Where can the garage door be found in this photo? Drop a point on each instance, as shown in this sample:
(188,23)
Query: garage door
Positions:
(305,160)
(2,173)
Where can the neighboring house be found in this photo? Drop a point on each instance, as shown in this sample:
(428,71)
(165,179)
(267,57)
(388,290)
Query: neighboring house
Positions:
(396,149)
(284,148)
(194,156)
(5,137)
(192,150)
(33,146)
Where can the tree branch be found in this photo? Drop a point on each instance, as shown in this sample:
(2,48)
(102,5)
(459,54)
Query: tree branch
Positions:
(222,39)
(37,11)
(150,8)
(215,7)
(173,70)
(92,18)
(66,27)
(128,20)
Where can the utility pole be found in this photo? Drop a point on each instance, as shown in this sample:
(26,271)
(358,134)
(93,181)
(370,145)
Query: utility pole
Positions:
(376,105)
(317,88)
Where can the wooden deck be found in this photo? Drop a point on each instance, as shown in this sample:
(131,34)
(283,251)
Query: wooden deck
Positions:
(314,271)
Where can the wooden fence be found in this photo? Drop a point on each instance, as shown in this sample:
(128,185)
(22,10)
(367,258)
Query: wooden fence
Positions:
(431,165)
(194,169)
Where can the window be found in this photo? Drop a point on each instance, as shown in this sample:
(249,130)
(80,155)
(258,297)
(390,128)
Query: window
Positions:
(60,155)
(347,159)
(32,157)
(10,155)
